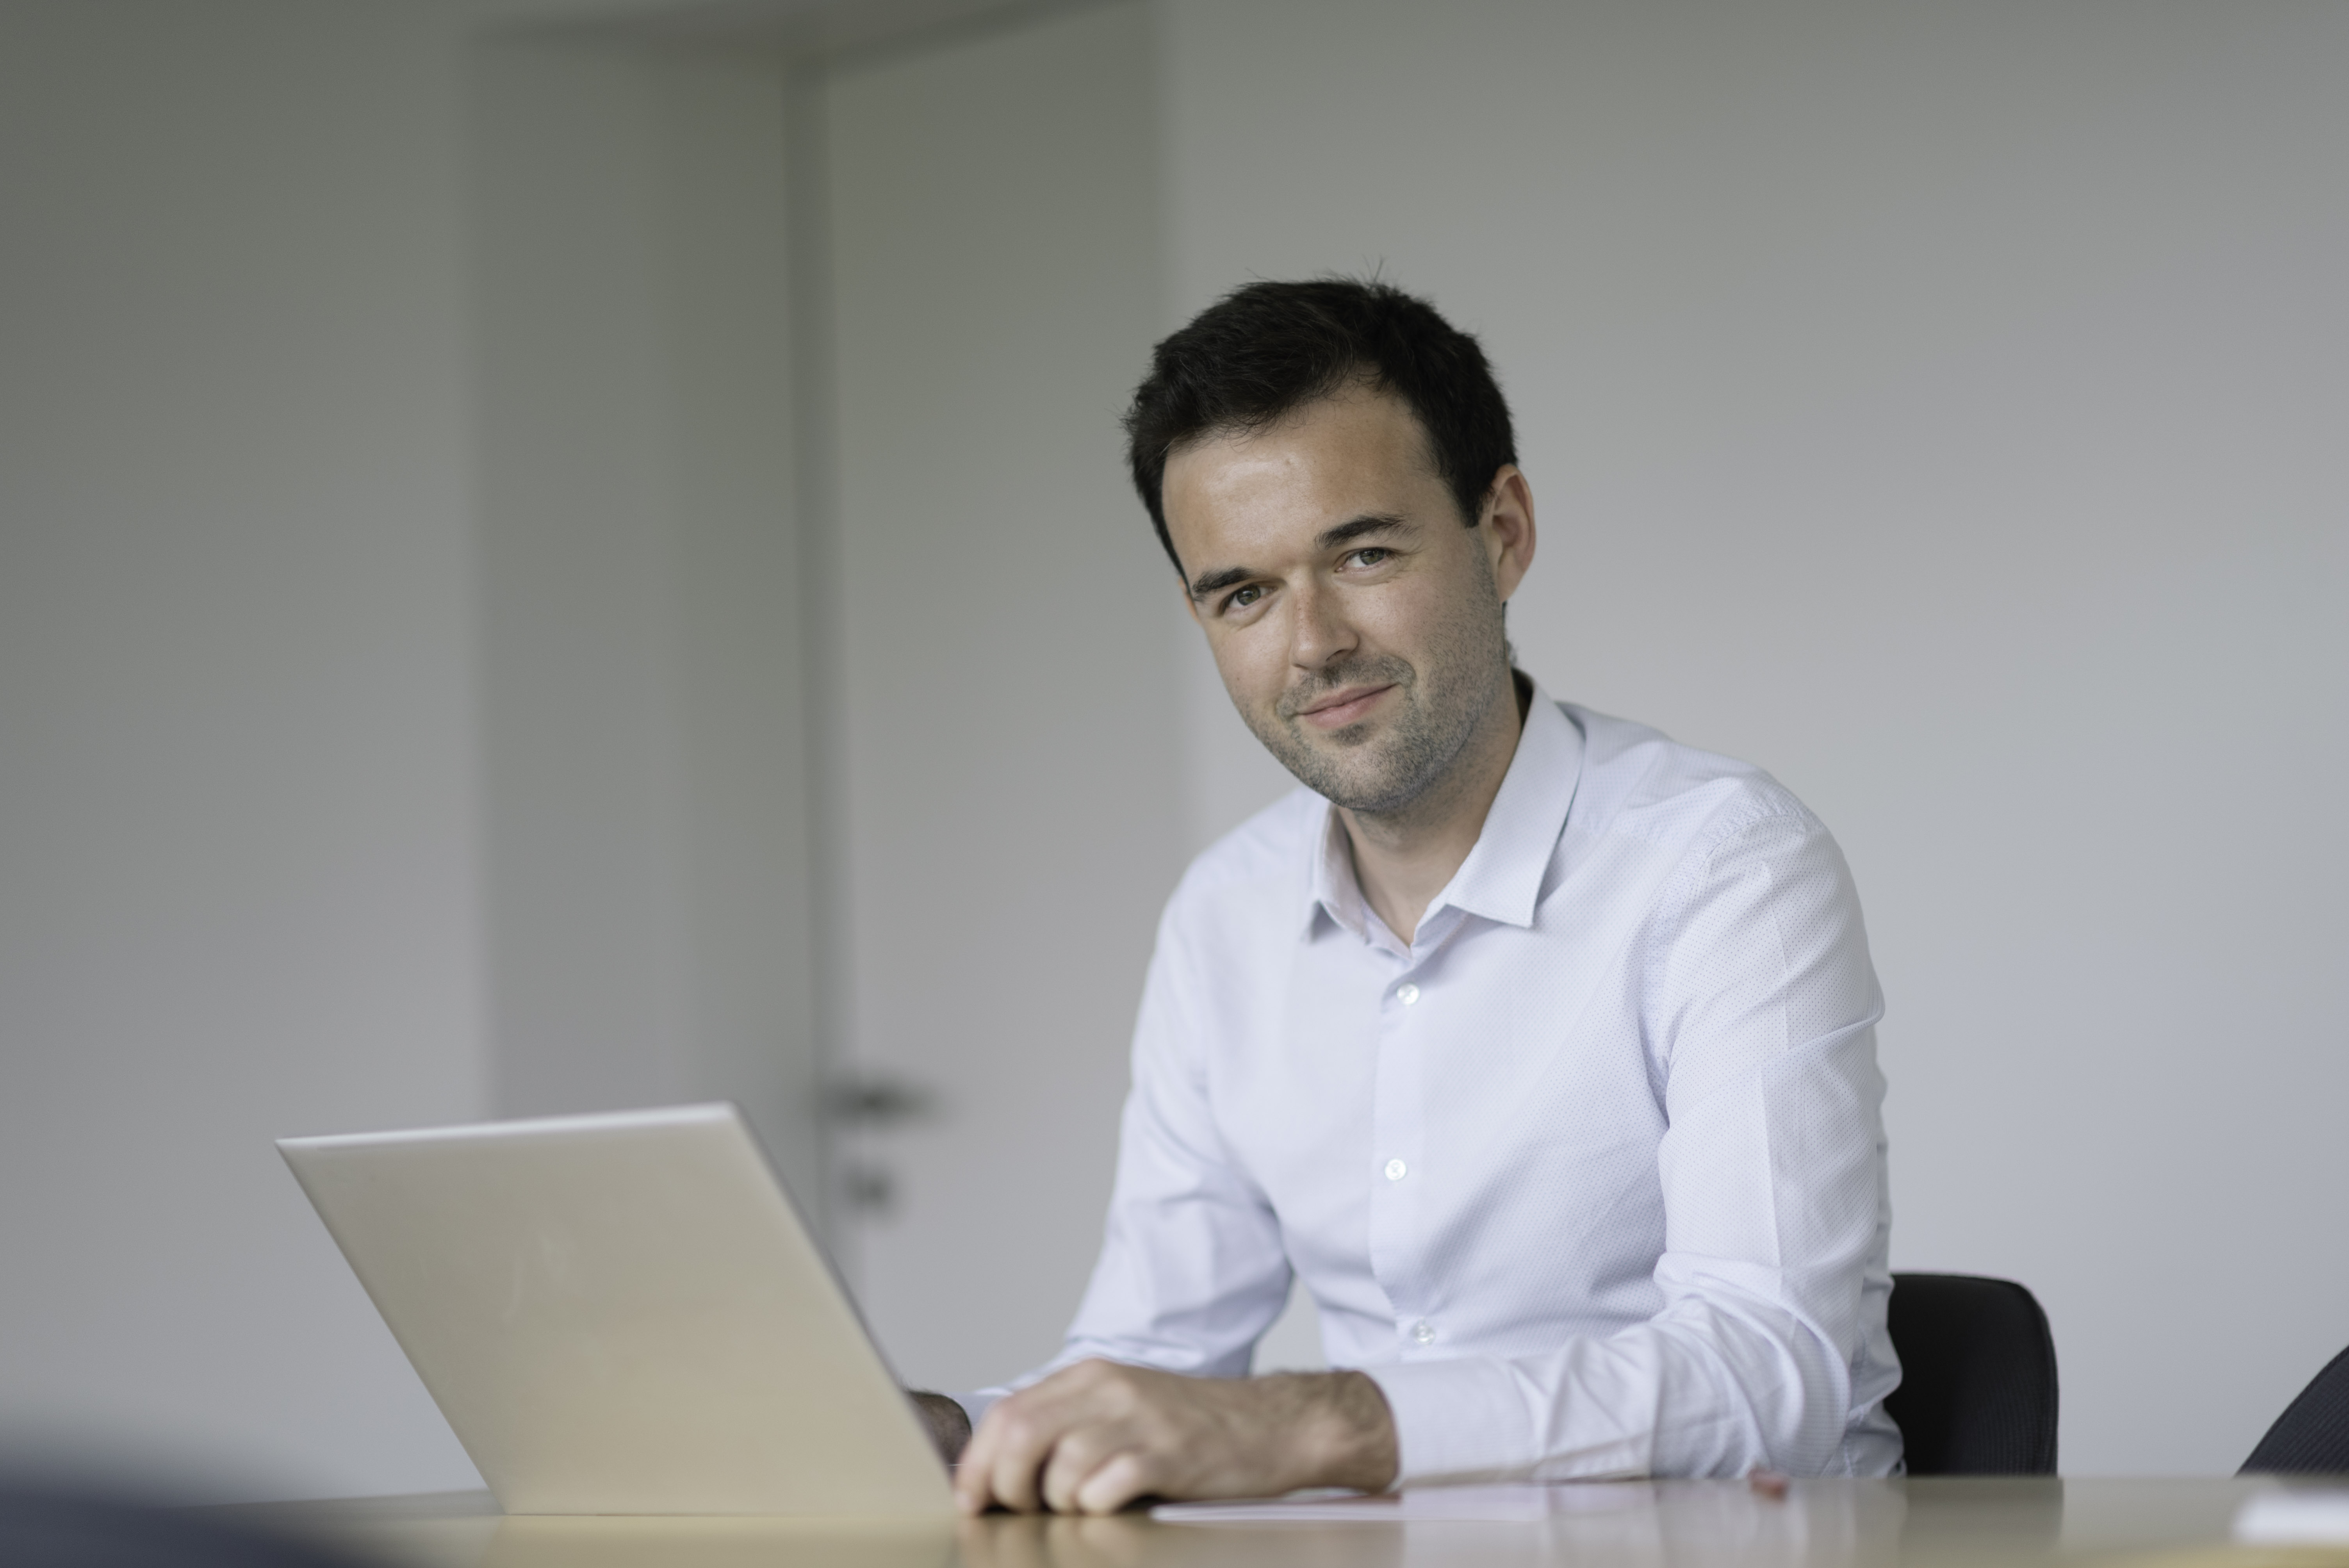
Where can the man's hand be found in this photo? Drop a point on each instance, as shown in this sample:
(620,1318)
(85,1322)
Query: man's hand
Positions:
(948,1423)
(1094,1437)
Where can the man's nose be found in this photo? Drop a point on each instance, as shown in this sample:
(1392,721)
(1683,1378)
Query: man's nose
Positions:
(1319,633)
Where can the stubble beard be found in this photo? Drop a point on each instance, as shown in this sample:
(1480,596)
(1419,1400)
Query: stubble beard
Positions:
(1384,768)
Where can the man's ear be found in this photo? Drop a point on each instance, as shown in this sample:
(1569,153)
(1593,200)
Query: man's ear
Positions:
(1507,526)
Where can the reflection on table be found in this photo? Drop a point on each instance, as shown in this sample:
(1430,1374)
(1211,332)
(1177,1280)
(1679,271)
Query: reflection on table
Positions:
(1663,1524)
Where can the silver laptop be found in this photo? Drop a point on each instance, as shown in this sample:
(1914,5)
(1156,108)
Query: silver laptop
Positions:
(623,1313)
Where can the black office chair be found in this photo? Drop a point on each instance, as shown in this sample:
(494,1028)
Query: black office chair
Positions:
(2311,1436)
(1976,1393)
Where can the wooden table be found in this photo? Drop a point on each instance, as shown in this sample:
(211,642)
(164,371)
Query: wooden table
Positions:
(1665,1524)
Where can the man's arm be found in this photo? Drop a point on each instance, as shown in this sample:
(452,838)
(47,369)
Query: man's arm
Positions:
(1093,1438)
(1760,1005)
(1144,1401)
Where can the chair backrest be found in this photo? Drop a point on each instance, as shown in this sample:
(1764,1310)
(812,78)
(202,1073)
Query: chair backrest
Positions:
(1976,1393)
(2313,1433)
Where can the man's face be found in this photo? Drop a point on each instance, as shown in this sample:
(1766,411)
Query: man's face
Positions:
(1356,619)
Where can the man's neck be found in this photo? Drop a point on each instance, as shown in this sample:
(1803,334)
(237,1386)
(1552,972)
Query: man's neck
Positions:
(1402,860)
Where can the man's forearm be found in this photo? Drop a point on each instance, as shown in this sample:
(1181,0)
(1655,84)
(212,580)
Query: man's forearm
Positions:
(1343,1429)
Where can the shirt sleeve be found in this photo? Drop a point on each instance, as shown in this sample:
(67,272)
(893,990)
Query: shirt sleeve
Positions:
(1759,1006)
(1191,1269)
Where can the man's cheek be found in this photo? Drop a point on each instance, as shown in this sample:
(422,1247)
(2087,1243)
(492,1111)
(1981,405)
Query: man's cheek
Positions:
(1251,685)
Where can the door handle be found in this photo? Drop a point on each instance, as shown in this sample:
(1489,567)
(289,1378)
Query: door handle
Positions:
(870,1102)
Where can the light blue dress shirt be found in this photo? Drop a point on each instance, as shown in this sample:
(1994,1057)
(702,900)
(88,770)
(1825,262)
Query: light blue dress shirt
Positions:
(1590,1176)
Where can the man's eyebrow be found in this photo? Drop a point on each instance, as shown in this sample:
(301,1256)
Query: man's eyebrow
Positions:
(1329,539)
(1369,524)
(1216,581)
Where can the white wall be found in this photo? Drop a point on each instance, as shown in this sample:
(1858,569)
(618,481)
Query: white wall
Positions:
(1013,801)
(401,665)
(1941,407)
(647,809)
(237,764)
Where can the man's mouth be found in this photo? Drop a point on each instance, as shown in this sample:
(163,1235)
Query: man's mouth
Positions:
(1348,705)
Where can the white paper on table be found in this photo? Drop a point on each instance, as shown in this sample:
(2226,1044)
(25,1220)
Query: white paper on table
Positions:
(1516,1504)
(2292,1517)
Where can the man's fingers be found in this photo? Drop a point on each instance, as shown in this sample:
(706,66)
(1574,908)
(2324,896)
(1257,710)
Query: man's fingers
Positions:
(1118,1480)
(1073,1443)
(1066,1465)
(1010,1477)
(1008,1452)
(1023,1442)
(970,1471)
(1082,1450)
(975,1476)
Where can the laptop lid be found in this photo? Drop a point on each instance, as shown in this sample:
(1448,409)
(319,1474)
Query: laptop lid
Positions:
(623,1313)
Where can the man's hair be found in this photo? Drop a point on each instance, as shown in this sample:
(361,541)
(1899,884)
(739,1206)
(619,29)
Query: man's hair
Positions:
(1267,349)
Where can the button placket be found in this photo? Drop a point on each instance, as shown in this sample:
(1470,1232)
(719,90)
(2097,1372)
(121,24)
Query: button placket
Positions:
(1398,1241)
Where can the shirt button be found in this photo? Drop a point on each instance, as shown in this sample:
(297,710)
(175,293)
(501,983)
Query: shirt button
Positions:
(1422,1332)
(1406,993)
(1395,1170)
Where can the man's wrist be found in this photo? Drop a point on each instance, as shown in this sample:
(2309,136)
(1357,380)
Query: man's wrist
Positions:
(1347,1436)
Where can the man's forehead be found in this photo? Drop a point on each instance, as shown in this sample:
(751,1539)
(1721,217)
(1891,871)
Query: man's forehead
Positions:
(1353,451)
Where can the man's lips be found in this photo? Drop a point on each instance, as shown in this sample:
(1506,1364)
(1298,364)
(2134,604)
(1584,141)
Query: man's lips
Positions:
(1341,708)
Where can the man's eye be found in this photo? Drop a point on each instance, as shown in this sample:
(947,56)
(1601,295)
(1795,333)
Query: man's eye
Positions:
(1244,598)
(1371,555)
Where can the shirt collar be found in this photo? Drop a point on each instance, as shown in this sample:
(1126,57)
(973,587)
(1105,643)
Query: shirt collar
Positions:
(1329,883)
(1501,880)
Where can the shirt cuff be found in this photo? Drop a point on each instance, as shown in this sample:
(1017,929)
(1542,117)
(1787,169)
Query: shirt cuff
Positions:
(1480,1417)
(1462,1420)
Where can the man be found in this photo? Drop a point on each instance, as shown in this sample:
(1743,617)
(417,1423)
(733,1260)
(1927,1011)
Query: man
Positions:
(1541,1047)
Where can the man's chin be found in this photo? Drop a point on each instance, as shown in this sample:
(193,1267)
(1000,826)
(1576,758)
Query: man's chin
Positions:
(1344,780)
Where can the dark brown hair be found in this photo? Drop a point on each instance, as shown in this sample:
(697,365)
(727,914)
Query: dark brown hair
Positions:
(1268,348)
